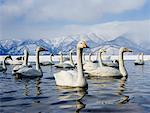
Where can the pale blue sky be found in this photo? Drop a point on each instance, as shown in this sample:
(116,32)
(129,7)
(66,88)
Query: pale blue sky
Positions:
(49,18)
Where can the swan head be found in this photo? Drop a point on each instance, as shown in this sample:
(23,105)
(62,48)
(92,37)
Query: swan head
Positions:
(51,54)
(8,57)
(82,44)
(39,49)
(102,50)
(124,49)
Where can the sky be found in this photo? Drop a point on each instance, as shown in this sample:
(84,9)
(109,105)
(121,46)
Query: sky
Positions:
(24,19)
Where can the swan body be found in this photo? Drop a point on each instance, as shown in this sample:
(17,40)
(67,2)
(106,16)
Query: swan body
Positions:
(111,64)
(25,62)
(109,71)
(90,65)
(73,78)
(3,67)
(69,64)
(31,72)
(139,61)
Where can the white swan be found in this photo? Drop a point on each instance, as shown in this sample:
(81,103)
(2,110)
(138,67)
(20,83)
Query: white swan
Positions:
(31,72)
(89,65)
(3,68)
(73,78)
(60,64)
(139,61)
(49,62)
(109,71)
(25,62)
(69,64)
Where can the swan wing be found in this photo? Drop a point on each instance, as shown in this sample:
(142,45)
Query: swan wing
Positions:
(105,71)
(26,71)
(66,78)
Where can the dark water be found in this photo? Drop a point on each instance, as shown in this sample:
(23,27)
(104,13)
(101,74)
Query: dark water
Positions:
(41,95)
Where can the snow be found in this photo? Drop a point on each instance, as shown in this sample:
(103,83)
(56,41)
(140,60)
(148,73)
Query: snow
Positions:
(105,57)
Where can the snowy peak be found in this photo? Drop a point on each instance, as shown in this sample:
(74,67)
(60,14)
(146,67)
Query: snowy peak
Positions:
(66,43)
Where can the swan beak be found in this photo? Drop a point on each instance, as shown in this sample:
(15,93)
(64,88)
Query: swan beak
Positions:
(129,50)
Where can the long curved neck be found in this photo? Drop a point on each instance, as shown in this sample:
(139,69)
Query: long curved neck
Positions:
(100,59)
(79,65)
(4,63)
(25,58)
(121,64)
(71,60)
(142,57)
(37,61)
(90,57)
(51,58)
(61,58)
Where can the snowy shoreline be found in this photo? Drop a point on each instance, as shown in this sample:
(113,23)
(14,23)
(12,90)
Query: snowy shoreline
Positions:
(106,57)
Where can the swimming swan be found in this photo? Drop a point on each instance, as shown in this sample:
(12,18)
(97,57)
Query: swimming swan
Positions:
(3,68)
(60,64)
(31,72)
(25,62)
(69,64)
(73,78)
(109,71)
(89,65)
(139,61)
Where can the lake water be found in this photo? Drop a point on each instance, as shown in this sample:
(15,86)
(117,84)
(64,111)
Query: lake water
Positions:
(41,95)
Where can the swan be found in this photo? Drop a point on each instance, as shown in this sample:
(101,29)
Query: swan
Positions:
(139,61)
(109,71)
(31,72)
(73,78)
(69,64)
(25,62)
(90,65)
(3,68)
(60,64)
(48,63)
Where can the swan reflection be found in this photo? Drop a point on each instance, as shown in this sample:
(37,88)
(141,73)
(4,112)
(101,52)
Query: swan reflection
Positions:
(73,96)
(27,88)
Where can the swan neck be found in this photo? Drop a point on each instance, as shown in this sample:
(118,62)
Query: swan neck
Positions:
(4,63)
(25,58)
(121,65)
(37,61)
(71,60)
(79,65)
(61,58)
(100,59)
(51,58)
(90,57)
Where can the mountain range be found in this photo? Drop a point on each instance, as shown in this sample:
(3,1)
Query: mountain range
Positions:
(66,43)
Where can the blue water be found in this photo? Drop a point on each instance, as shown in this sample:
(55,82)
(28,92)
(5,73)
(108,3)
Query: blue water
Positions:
(41,95)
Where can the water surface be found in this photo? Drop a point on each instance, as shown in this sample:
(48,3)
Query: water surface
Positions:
(41,95)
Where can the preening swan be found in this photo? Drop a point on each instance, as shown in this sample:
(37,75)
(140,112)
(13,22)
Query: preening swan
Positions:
(109,71)
(25,62)
(3,68)
(31,72)
(139,61)
(73,78)
(49,62)
(69,64)
(60,64)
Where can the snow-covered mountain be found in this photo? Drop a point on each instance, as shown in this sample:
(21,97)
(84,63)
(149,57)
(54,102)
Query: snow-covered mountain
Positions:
(54,45)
